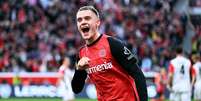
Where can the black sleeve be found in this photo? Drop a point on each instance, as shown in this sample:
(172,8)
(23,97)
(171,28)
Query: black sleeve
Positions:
(128,62)
(78,80)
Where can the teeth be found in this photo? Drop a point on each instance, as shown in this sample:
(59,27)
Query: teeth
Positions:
(85,26)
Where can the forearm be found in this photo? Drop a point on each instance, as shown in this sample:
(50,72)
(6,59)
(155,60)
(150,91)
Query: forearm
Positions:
(170,80)
(78,81)
(140,80)
(193,80)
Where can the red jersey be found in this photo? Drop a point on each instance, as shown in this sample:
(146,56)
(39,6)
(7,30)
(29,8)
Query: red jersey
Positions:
(111,79)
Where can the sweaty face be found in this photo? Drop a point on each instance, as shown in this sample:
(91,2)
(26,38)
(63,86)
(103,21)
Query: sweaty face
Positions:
(87,23)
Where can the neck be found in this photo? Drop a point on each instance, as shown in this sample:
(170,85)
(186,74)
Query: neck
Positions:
(179,55)
(94,38)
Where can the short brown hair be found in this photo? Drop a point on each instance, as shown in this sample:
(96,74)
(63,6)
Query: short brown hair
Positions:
(179,50)
(91,8)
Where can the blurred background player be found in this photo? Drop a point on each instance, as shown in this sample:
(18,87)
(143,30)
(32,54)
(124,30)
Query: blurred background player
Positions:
(64,81)
(161,82)
(197,86)
(179,77)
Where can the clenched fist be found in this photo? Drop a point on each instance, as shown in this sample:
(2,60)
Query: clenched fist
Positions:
(83,63)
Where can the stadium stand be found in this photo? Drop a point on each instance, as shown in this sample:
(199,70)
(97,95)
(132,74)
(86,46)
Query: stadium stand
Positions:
(35,34)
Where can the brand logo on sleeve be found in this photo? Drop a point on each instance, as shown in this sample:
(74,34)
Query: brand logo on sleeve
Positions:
(128,53)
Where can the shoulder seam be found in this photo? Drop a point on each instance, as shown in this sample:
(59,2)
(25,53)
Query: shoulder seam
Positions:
(79,50)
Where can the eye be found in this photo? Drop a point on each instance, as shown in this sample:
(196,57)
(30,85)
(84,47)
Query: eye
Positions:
(87,18)
(79,19)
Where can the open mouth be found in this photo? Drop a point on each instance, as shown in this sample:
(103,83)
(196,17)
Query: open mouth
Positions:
(85,29)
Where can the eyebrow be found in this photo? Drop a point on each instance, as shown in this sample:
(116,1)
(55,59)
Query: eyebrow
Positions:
(78,18)
(84,17)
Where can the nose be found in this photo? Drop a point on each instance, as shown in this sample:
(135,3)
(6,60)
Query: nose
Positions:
(83,22)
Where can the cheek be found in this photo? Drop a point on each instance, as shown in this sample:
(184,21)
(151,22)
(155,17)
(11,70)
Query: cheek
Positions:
(93,25)
(78,27)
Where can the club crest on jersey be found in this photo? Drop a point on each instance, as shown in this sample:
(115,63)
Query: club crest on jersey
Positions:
(102,53)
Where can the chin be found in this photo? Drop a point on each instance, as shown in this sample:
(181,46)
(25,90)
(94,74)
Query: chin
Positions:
(86,37)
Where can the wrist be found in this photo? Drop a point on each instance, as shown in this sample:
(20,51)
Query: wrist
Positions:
(76,67)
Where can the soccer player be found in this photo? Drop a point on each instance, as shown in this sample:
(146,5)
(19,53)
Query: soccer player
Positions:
(197,86)
(180,71)
(161,82)
(109,64)
(64,82)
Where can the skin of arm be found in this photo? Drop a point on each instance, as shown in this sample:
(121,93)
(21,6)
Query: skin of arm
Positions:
(170,76)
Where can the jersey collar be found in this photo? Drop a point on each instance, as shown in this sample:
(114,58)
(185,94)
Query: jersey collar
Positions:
(95,41)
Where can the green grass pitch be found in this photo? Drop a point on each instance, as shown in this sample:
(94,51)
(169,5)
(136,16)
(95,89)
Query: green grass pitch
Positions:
(40,99)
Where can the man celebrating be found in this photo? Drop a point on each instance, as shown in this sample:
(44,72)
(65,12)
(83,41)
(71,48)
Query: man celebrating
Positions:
(109,64)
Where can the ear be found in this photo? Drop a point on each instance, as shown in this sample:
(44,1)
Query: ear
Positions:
(98,23)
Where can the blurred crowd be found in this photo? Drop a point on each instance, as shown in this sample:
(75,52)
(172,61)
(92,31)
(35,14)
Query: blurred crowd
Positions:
(36,34)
